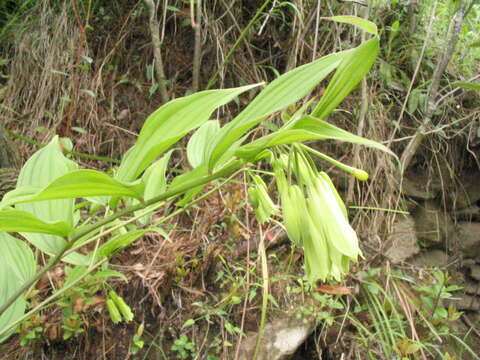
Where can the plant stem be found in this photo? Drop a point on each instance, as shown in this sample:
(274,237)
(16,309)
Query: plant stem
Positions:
(150,210)
(157,45)
(263,318)
(51,297)
(430,107)
(129,210)
(197,54)
(73,153)
(26,285)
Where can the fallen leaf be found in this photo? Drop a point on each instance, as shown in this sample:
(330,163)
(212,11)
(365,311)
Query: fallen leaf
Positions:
(334,289)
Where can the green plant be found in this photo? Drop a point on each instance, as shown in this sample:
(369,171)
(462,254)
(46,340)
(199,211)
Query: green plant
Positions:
(183,347)
(115,211)
(397,315)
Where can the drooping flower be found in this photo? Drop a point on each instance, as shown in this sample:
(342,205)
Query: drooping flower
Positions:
(315,219)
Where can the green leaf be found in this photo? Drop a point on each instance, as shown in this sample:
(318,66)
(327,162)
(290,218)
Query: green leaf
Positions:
(170,123)
(363,24)
(120,242)
(196,173)
(354,66)
(22,221)
(155,178)
(329,131)
(307,128)
(81,184)
(283,91)
(199,145)
(108,273)
(17,265)
(41,168)
(467,85)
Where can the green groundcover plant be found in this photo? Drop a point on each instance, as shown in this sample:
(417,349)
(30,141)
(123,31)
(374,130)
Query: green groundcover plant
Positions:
(46,214)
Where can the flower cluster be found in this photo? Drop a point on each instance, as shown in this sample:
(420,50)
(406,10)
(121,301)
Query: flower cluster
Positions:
(316,219)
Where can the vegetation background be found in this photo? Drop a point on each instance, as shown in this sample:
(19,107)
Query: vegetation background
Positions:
(93,70)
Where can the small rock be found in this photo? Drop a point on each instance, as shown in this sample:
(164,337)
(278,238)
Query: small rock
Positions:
(475,272)
(469,213)
(468,193)
(469,236)
(414,186)
(468,302)
(430,258)
(472,288)
(281,339)
(403,240)
(432,224)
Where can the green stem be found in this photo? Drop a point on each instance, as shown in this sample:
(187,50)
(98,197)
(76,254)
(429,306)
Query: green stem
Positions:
(244,33)
(73,153)
(26,285)
(150,210)
(51,297)
(129,210)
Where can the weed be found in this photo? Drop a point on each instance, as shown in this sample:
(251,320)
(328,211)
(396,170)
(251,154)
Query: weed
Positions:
(183,347)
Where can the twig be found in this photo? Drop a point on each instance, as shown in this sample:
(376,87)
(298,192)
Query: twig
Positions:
(417,68)
(197,54)
(157,45)
(244,33)
(430,106)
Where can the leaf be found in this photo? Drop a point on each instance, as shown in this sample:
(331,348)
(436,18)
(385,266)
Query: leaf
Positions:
(307,128)
(17,265)
(188,323)
(81,184)
(334,289)
(363,24)
(119,242)
(108,273)
(354,66)
(41,168)
(154,177)
(89,92)
(22,221)
(283,91)
(170,123)
(196,173)
(199,145)
(467,85)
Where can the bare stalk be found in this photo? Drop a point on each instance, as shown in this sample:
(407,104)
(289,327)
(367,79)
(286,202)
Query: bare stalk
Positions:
(197,54)
(430,106)
(157,45)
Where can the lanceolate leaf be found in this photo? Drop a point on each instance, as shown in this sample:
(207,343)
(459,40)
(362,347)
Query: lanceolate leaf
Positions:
(155,178)
(467,85)
(363,24)
(169,124)
(199,145)
(120,242)
(17,265)
(307,128)
(81,184)
(283,91)
(354,66)
(22,221)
